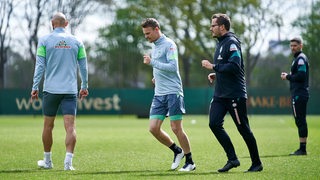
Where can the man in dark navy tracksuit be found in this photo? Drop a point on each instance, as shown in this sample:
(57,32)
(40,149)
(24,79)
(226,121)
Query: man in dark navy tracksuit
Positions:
(299,87)
(230,93)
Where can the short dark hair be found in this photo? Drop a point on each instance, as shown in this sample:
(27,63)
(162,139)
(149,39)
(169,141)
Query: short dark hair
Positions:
(150,22)
(297,40)
(222,19)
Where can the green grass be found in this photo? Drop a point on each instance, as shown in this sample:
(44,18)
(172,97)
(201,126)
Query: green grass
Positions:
(120,147)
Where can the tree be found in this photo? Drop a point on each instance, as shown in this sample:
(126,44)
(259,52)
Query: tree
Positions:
(6,9)
(118,58)
(254,19)
(18,71)
(40,10)
(188,23)
(268,69)
(75,10)
(33,14)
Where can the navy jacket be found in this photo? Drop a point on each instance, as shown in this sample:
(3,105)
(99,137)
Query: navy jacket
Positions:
(229,68)
(299,77)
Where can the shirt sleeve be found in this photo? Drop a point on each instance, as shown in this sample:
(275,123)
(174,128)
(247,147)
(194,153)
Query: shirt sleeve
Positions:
(83,67)
(172,57)
(38,72)
(82,52)
(40,64)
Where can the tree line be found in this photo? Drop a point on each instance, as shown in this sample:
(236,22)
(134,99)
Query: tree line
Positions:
(115,56)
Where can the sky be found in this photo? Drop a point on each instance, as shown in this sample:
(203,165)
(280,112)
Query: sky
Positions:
(289,10)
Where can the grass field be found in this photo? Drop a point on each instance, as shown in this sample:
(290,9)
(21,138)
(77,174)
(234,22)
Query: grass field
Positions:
(120,147)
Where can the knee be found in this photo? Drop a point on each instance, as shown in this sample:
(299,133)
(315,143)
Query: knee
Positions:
(176,130)
(214,127)
(301,122)
(71,130)
(154,130)
(49,127)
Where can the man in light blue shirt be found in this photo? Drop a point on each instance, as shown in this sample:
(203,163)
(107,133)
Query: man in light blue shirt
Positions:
(168,96)
(58,56)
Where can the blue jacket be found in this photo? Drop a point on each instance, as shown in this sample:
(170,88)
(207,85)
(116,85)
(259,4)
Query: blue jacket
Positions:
(166,67)
(58,56)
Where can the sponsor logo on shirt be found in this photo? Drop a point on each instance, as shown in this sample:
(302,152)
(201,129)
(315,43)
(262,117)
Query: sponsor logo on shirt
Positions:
(62,45)
(219,57)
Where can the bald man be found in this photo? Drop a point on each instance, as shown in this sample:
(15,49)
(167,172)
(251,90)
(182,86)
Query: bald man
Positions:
(59,54)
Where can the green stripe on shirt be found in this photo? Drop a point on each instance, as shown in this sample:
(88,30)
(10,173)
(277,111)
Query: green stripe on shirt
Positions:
(174,56)
(302,68)
(82,53)
(235,54)
(41,51)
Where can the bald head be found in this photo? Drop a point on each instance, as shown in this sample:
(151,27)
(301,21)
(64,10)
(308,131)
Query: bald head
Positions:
(59,20)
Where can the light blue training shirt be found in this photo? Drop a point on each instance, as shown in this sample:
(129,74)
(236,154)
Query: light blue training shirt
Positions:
(58,56)
(164,60)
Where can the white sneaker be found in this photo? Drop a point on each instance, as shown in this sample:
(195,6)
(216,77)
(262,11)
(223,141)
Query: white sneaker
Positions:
(188,167)
(45,164)
(68,167)
(176,160)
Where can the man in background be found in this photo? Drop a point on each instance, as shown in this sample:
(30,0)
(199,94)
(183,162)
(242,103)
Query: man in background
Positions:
(299,87)
(58,56)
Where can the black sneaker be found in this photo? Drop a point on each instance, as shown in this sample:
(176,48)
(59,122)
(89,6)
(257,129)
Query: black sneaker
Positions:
(255,168)
(298,152)
(230,165)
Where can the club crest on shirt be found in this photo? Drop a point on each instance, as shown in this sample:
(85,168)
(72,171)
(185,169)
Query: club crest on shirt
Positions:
(62,45)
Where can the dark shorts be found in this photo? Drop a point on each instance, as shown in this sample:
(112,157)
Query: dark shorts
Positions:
(52,102)
(172,105)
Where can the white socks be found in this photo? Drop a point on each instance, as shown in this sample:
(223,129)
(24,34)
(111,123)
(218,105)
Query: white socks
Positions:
(68,158)
(47,157)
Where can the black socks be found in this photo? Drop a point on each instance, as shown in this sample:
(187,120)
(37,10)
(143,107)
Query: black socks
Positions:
(303,146)
(176,149)
(189,158)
